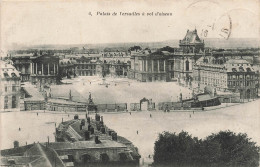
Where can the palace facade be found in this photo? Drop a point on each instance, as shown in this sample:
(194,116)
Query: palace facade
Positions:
(44,69)
(149,67)
(9,87)
(191,48)
(167,64)
(236,75)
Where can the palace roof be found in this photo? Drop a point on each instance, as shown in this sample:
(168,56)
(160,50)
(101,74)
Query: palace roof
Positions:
(191,37)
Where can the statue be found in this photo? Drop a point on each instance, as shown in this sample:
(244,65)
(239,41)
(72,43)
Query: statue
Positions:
(70,96)
(180,97)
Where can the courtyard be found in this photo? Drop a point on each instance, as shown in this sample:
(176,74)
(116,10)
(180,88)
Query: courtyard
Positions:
(122,90)
(36,126)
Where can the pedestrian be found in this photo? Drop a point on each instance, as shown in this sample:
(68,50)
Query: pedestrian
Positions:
(130,113)
(19,129)
(68,115)
(190,115)
(37,114)
(150,115)
(136,132)
(90,83)
(193,111)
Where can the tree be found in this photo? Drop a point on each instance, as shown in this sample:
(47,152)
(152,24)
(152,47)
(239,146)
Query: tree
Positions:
(225,149)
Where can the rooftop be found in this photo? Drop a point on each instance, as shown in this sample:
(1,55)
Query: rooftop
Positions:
(86,144)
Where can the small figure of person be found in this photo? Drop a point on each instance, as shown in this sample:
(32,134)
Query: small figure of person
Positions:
(19,129)
(150,115)
(68,115)
(130,113)
(90,83)
(190,115)
(37,114)
(193,111)
(136,132)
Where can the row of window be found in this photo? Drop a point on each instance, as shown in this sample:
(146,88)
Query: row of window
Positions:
(14,88)
(242,76)
(241,83)
(86,67)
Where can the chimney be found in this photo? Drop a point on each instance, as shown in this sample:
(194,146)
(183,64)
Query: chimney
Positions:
(96,140)
(110,132)
(98,126)
(91,130)
(89,126)
(16,144)
(103,130)
(83,122)
(97,117)
(76,116)
(114,136)
(87,135)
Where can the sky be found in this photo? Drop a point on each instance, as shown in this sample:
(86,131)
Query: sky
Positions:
(69,22)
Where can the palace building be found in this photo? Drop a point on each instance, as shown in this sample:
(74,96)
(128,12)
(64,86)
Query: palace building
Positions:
(167,64)
(149,67)
(236,75)
(191,49)
(22,63)
(9,87)
(44,69)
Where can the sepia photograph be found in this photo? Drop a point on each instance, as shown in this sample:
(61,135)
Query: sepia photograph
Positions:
(134,83)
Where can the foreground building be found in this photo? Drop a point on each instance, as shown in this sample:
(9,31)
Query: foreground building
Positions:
(9,87)
(235,75)
(79,142)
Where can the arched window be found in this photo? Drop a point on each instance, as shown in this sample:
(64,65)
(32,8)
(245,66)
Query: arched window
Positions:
(6,102)
(187,65)
(104,157)
(122,156)
(13,101)
(86,158)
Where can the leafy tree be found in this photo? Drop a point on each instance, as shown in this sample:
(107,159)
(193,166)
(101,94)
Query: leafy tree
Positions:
(225,149)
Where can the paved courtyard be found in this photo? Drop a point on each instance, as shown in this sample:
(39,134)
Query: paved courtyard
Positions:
(123,90)
(243,118)
(35,127)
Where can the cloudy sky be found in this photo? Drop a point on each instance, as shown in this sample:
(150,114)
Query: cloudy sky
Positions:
(47,22)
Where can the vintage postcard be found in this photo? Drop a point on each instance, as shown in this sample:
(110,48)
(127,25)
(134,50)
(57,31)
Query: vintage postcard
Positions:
(129,83)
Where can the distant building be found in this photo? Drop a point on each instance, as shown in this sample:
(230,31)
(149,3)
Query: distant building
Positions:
(147,66)
(9,87)
(236,75)
(67,68)
(167,64)
(44,69)
(85,66)
(22,63)
(191,49)
(119,68)
(37,68)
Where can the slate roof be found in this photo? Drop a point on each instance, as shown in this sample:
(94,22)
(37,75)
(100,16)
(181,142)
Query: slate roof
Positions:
(86,144)
(191,37)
